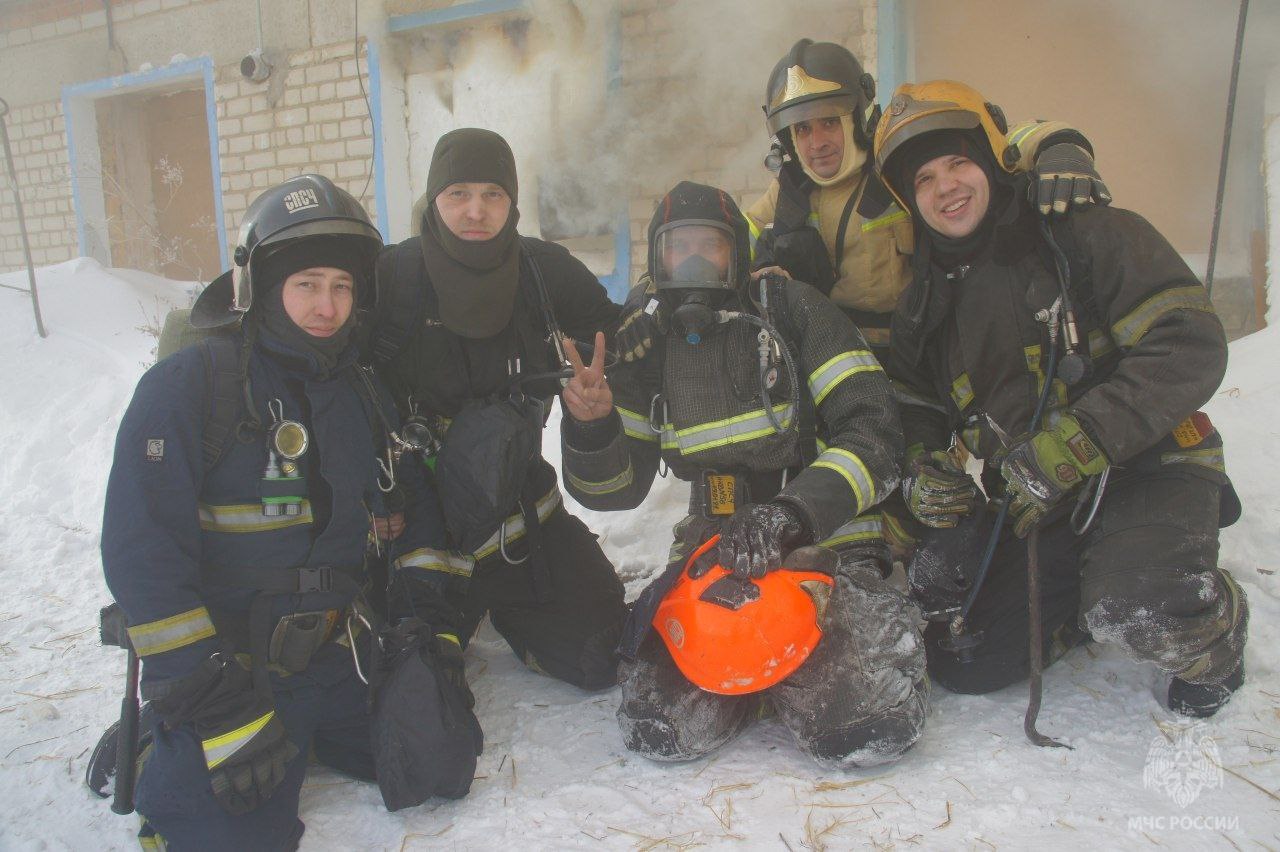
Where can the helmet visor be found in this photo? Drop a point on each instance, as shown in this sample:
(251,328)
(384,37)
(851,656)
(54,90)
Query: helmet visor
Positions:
(694,254)
(830,106)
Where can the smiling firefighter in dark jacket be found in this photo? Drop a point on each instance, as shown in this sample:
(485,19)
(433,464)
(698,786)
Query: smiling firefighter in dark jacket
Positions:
(1123,478)
(254,558)
(468,310)
(765,397)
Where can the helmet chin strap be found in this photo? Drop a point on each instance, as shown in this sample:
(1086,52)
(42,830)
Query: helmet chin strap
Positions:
(852,162)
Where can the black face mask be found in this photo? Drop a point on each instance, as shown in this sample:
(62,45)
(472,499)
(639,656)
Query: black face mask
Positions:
(326,351)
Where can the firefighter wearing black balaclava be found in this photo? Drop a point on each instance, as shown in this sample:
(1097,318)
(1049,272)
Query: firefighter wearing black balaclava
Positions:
(479,330)
(767,400)
(1124,479)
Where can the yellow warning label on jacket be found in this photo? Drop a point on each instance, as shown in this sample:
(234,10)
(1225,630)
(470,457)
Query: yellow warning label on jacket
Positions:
(1188,433)
(720,494)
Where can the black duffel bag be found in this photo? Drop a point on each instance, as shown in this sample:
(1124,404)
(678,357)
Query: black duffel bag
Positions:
(487,453)
(424,735)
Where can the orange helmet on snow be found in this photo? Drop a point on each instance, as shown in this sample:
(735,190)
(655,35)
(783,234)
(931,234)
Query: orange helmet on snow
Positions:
(732,636)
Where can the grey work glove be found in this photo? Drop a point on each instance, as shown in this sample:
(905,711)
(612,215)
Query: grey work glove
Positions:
(644,322)
(758,536)
(1066,177)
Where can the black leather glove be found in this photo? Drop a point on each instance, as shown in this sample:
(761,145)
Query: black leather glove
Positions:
(757,537)
(245,746)
(644,322)
(1066,177)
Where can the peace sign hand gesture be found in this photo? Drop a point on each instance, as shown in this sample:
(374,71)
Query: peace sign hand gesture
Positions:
(587,395)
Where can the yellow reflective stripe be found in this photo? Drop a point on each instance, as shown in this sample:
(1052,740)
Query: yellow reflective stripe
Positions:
(1021,132)
(1100,343)
(218,749)
(823,380)
(753,234)
(635,426)
(430,559)
(961,391)
(1210,457)
(861,528)
(1131,327)
(609,486)
(515,524)
(886,219)
(734,430)
(248,518)
(449,637)
(854,472)
(176,631)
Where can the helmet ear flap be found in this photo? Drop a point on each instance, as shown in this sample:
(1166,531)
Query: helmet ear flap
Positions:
(997,115)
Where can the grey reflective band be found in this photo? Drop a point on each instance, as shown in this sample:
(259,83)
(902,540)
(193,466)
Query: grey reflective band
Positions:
(720,433)
(1131,328)
(248,518)
(609,486)
(168,634)
(849,466)
(861,528)
(218,749)
(824,380)
(906,396)
(514,525)
(1210,457)
(635,426)
(430,559)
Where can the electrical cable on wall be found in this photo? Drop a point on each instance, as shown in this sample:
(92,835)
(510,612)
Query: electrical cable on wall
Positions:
(373,129)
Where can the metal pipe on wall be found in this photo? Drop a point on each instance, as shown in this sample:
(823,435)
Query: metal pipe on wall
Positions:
(22,222)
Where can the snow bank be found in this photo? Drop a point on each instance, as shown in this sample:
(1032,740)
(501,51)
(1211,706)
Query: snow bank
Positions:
(554,773)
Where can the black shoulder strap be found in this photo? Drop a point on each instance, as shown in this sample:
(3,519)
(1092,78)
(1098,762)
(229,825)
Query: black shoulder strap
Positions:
(791,212)
(543,296)
(1080,271)
(224,395)
(401,306)
(807,422)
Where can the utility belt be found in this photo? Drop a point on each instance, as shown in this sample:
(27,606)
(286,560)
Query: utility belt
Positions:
(286,646)
(717,494)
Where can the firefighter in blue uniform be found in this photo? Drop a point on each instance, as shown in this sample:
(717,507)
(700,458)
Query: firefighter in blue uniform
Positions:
(241,567)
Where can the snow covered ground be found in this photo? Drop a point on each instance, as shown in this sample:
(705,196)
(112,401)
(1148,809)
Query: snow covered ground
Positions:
(554,773)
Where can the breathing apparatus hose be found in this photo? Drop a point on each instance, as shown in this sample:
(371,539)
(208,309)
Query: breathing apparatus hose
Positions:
(792,374)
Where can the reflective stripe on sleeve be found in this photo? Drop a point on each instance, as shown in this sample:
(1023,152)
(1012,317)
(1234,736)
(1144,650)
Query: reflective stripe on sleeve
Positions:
(886,219)
(430,559)
(248,518)
(861,528)
(720,433)
(1210,457)
(1131,328)
(854,472)
(823,380)
(218,749)
(609,486)
(168,634)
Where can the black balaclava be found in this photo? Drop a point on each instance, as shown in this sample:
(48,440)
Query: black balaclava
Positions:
(269,275)
(476,281)
(965,143)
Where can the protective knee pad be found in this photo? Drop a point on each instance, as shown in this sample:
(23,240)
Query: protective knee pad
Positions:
(861,697)
(1192,625)
(665,717)
(877,740)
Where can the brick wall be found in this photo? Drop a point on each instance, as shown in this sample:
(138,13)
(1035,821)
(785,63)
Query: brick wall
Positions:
(319,123)
(26,21)
(38,140)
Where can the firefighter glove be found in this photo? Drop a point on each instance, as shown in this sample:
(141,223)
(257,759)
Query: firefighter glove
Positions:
(758,536)
(644,321)
(1042,470)
(245,746)
(1065,177)
(937,490)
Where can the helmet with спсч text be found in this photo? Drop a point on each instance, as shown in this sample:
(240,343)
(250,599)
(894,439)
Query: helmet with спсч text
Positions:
(304,207)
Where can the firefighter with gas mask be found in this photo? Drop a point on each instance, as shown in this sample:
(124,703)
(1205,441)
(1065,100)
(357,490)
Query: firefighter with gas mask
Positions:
(767,400)
(1071,357)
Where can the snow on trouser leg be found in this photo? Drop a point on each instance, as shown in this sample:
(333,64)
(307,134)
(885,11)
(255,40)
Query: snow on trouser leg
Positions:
(1150,581)
(663,716)
(862,696)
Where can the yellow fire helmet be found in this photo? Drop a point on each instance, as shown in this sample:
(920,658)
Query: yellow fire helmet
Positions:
(920,108)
